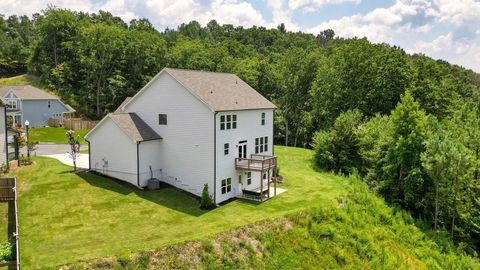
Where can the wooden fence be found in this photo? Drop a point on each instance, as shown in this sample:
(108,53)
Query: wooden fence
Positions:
(78,123)
(8,192)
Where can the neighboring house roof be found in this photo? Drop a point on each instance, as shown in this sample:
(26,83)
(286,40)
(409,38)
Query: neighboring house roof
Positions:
(218,91)
(132,125)
(69,108)
(120,108)
(26,92)
(3,102)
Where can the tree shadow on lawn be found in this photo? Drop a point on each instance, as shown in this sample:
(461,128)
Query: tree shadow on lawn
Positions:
(169,197)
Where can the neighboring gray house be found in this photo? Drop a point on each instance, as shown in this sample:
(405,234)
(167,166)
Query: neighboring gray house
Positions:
(26,102)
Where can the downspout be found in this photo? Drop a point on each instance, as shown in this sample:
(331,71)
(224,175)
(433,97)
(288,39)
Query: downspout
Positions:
(138,165)
(89,156)
(273,133)
(6,132)
(215,158)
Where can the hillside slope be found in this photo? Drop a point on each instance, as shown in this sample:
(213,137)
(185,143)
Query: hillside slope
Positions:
(23,79)
(359,232)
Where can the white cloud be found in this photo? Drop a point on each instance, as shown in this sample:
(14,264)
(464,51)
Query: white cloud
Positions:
(172,13)
(313,5)
(378,25)
(26,7)
(281,15)
(446,47)
(455,12)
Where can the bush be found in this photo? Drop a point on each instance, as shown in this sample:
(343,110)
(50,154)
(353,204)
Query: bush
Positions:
(206,201)
(4,168)
(24,161)
(7,252)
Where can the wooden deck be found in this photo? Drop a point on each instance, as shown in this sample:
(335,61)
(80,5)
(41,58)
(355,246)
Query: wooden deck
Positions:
(256,163)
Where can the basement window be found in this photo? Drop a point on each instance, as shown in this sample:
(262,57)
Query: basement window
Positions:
(162,119)
(226,185)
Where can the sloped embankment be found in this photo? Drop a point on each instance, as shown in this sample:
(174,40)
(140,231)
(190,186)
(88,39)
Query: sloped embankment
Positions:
(360,232)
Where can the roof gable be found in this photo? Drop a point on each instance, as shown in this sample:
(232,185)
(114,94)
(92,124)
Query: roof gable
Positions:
(26,92)
(132,125)
(218,91)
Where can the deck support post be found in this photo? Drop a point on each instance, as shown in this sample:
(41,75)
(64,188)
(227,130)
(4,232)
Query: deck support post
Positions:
(261,186)
(275,182)
(268,183)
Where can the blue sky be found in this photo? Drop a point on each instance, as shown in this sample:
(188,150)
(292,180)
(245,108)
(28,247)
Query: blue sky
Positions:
(442,29)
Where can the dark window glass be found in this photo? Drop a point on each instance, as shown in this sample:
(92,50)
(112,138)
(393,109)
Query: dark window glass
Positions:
(225,149)
(263,118)
(162,119)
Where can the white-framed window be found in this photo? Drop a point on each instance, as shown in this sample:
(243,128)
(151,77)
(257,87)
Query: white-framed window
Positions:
(240,179)
(12,104)
(261,144)
(263,119)
(226,185)
(249,178)
(49,104)
(226,148)
(228,121)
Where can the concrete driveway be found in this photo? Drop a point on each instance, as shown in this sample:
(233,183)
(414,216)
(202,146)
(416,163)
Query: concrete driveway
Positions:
(59,152)
(82,160)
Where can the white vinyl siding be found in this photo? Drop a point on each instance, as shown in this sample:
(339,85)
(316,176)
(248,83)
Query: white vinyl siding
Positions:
(248,128)
(186,150)
(113,153)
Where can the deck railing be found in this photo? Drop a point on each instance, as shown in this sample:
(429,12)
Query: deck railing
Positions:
(256,162)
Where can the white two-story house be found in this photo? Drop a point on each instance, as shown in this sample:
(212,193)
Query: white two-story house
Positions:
(190,128)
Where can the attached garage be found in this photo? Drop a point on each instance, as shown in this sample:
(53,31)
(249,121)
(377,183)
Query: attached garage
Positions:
(120,146)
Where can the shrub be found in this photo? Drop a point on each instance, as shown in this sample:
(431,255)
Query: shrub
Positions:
(7,252)
(24,161)
(206,201)
(4,168)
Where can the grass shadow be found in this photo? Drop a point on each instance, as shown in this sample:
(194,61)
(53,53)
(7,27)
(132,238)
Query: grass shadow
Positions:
(169,197)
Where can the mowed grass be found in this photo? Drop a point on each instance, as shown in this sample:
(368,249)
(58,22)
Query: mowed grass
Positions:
(66,217)
(4,222)
(23,79)
(54,134)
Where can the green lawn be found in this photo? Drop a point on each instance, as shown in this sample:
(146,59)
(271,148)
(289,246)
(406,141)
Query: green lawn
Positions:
(4,222)
(22,80)
(54,134)
(66,217)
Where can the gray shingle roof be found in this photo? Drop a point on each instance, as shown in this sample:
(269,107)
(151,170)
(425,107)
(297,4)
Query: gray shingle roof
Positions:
(134,126)
(26,92)
(221,91)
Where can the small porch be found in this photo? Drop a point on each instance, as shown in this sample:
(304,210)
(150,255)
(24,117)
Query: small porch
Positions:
(265,165)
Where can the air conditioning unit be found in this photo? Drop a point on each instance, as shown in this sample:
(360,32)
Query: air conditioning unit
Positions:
(153,184)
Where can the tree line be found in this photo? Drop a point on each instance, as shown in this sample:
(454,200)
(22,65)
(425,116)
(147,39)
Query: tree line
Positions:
(407,124)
